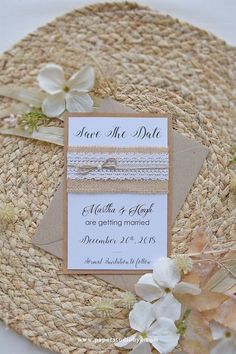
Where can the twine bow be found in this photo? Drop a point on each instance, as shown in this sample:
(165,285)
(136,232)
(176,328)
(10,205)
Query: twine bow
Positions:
(112,164)
(108,164)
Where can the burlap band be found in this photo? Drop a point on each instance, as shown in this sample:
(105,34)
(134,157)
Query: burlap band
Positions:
(91,186)
(141,186)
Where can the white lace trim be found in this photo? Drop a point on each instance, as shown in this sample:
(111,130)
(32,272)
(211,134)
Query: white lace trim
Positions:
(129,166)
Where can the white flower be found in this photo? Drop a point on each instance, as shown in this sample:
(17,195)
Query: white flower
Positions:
(71,95)
(225,337)
(165,280)
(160,332)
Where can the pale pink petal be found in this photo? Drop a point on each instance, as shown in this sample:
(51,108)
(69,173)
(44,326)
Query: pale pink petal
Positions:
(163,335)
(51,78)
(79,102)
(166,273)
(141,317)
(82,81)
(54,105)
(168,307)
(147,288)
(187,288)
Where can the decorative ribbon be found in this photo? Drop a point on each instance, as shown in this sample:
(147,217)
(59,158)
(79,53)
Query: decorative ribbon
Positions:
(117,170)
(112,164)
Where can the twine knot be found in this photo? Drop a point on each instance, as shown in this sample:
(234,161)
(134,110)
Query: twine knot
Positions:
(108,164)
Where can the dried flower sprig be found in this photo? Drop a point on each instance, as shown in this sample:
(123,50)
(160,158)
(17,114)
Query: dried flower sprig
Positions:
(184,263)
(30,121)
(220,264)
(128,300)
(105,308)
(7,213)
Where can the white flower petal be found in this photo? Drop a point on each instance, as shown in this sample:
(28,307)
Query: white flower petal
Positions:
(78,102)
(226,346)
(54,105)
(166,273)
(51,78)
(187,288)
(82,81)
(217,330)
(168,307)
(163,335)
(128,342)
(141,317)
(147,288)
(142,348)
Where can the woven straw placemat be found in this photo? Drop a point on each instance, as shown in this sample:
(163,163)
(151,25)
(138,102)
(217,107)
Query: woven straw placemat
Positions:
(160,63)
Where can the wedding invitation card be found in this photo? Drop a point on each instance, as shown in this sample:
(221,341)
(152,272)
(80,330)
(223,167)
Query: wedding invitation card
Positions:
(118,192)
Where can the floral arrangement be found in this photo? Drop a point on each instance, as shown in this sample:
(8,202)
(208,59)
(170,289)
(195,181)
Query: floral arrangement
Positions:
(33,115)
(188,304)
(188,301)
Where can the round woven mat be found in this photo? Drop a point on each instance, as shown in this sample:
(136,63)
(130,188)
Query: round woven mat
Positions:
(160,64)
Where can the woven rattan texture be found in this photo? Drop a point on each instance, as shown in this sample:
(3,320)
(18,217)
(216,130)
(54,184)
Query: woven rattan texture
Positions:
(160,64)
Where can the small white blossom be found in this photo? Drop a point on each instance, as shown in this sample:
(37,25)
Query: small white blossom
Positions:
(7,214)
(71,95)
(160,332)
(105,308)
(184,263)
(165,280)
(128,299)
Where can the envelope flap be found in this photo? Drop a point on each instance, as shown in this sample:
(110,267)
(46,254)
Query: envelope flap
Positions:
(49,235)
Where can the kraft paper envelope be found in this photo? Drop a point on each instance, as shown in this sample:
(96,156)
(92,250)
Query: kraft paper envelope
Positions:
(188,157)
